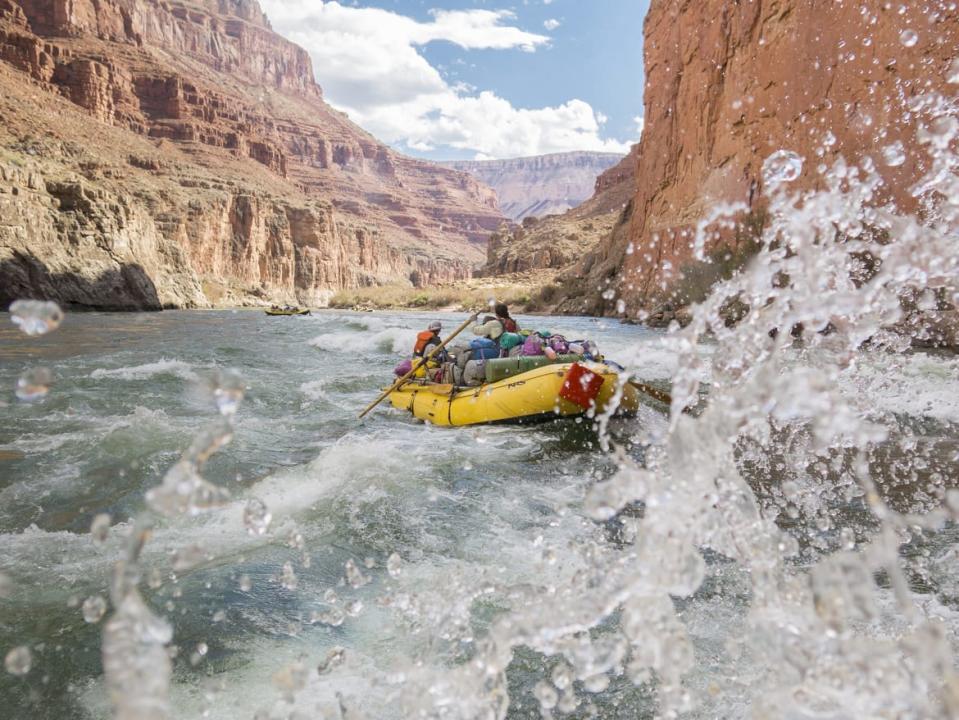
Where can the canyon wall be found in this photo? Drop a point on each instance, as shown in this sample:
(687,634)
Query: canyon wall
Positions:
(541,185)
(730,83)
(558,241)
(202,166)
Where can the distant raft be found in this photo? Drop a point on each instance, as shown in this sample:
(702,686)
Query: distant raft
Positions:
(563,390)
(279,312)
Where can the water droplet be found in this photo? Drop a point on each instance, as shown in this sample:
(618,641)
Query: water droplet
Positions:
(154,579)
(295,541)
(228,390)
(596,683)
(334,617)
(781,167)
(562,676)
(94,608)
(34,384)
(197,655)
(288,579)
(189,557)
(952,73)
(354,576)
(100,528)
(333,659)
(394,565)
(290,680)
(546,694)
(354,607)
(36,317)
(18,661)
(909,37)
(256,517)
(183,491)
(245,583)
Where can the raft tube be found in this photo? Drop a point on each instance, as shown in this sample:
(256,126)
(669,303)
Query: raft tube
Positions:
(277,313)
(529,397)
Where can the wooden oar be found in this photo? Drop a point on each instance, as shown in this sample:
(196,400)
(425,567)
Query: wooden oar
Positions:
(399,383)
(655,393)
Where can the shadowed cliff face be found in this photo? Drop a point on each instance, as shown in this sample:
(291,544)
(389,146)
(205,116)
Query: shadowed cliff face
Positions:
(727,85)
(198,121)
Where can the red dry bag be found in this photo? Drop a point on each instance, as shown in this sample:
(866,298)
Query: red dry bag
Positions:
(581,386)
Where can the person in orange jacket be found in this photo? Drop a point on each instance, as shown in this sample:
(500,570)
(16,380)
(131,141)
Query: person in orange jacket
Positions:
(427,339)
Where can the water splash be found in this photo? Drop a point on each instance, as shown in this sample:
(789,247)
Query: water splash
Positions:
(832,276)
(136,664)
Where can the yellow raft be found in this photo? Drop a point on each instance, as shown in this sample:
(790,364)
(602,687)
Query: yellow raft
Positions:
(287,313)
(528,397)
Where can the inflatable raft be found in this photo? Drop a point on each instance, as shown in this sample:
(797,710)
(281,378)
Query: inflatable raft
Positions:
(275,313)
(538,394)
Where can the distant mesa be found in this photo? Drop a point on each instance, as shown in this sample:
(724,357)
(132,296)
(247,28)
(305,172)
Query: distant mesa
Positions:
(540,185)
(559,241)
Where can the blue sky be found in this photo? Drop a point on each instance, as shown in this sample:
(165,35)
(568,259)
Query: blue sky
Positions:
(450,79)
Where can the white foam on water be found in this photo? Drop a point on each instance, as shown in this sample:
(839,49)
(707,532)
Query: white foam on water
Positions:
(394,340)
(177,368)
(914,384)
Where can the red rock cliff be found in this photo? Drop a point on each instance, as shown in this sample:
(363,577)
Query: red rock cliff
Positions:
(728,84)
(209,129)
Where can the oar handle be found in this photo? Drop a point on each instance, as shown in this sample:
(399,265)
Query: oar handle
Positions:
(399,383)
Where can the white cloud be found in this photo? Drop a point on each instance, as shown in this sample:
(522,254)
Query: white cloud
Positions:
(640,122)
(367,60)
(551,24)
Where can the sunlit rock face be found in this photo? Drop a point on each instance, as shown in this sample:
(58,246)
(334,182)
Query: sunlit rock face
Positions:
(560,240)
(541,185)
(730,84)
(180,154)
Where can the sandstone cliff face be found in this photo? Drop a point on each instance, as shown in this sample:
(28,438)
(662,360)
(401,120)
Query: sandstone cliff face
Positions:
(194,126)
(557,241)
(542,185)
(730,83)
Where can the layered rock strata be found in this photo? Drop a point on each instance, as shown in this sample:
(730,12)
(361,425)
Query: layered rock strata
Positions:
(198,149)
(729,84)
(541,185)
(557,241)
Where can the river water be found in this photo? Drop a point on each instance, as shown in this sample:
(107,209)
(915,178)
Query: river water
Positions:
(463,509)
(448,530)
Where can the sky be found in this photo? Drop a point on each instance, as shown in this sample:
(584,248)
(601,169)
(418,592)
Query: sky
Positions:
(464,79)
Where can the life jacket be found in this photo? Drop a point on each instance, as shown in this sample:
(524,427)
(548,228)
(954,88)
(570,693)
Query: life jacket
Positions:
(509,325)
(423,340)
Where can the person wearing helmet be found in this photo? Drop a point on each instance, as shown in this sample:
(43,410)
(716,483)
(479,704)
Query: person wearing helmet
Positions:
(427,339)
